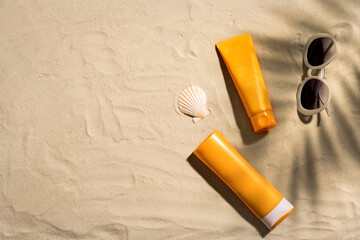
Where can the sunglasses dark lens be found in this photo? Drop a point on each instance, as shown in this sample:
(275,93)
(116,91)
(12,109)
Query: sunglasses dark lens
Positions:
(310,94)
(320,51)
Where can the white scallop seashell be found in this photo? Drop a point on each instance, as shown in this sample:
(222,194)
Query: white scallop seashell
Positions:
(192,102)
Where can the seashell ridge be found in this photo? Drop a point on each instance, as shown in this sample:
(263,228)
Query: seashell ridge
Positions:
(192,102)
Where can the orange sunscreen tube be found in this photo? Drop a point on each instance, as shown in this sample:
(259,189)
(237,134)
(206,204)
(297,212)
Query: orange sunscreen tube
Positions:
(258,194)
(239,56)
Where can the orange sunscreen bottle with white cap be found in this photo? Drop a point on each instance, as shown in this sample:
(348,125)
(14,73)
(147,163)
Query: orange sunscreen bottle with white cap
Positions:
(258,194)
(240,59)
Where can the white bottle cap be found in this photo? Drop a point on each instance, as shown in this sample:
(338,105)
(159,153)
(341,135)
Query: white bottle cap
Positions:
(282,209)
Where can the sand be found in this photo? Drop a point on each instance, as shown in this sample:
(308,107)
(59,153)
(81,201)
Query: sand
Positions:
(92,146)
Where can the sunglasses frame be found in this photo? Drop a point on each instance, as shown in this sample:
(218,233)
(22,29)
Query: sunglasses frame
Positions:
(301,109)
(308,112)
(310,40)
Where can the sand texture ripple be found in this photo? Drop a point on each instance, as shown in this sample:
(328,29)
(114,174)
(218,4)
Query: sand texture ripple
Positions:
(92,147)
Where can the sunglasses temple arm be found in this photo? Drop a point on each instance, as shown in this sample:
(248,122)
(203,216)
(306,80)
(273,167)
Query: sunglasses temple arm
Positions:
(322,73)
(328,109)
(329,47)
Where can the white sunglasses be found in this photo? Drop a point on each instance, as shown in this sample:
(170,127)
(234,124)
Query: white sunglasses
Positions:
(313,95)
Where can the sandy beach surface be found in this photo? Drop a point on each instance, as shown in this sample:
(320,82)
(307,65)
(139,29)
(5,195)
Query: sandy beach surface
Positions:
(92,146)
